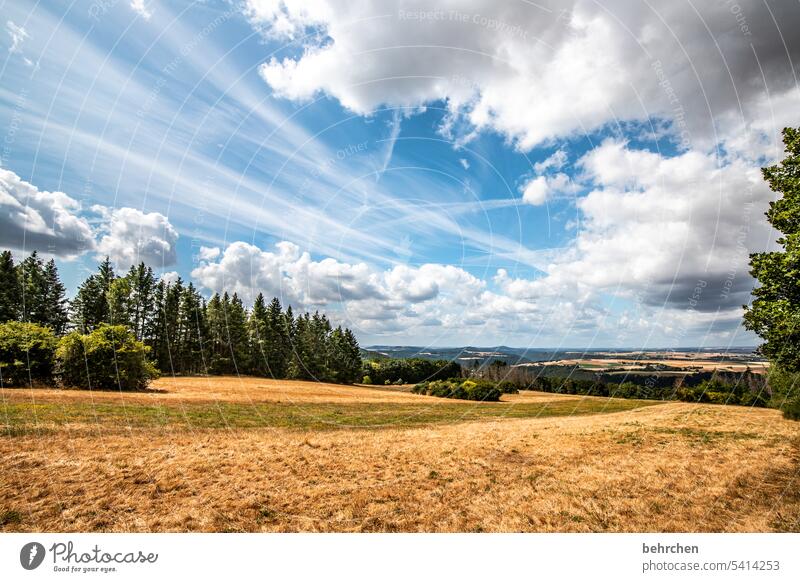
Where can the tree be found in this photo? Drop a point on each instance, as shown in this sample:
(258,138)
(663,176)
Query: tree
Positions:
(89,309)
(26,353)
(142,299)
(10,290)
(278,346)
(55,313)
(108,358)
(236,327)
(257,337)
(163,328)
(33,289)
(775,311)
(191,332)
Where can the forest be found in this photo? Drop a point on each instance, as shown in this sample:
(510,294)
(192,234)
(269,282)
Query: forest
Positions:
(160,326)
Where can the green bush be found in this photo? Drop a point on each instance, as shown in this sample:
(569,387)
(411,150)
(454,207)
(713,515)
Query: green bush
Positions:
(107,358)
(26,353)
(366,380)
(508,387)
(462,390)
(791,409)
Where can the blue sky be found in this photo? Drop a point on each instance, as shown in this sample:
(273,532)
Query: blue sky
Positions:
(198,136)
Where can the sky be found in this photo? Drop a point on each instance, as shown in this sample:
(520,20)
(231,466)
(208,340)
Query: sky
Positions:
(544,174)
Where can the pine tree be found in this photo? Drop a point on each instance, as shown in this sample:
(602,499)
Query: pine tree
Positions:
(55,311)
(278,342)
(90,307)
(10,290)
(257,337)
(165,327)
(218,362)
(191,332)
(33,288)
(236,325)
(142,300)
(352,365)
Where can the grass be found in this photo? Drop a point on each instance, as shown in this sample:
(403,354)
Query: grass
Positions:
(23,418)
(231,454)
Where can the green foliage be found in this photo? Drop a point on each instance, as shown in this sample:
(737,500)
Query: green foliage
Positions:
(26,353)
(108,358)
(412,370)
(775,312)
(89,309)
(182,334)
(483,390)
(10,290)
(366,380)
(791,409)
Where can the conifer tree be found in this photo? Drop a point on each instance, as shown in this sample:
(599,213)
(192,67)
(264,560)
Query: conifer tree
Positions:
(56,315)
(10,290)
(33,289)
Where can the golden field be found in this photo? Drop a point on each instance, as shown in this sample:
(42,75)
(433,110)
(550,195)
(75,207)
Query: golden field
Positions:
(248,454)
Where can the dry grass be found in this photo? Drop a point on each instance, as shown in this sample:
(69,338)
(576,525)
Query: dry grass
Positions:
(670,467)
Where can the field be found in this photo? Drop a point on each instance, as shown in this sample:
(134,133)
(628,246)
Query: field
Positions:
(247,454)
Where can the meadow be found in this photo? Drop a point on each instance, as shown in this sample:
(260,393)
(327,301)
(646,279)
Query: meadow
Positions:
(251,454)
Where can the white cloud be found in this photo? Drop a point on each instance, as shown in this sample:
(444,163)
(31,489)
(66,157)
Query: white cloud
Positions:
(132,236)
(18,35)
(208,253)
(34,219)
(554,162)
(534,74)
(464,163)
(540,189)
(141,8)
(652,227)
(536,191)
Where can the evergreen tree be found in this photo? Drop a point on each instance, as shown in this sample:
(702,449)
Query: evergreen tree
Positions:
(55,311)
(165,327)
(191,332)
(216,344)
(278,342)
(352,364)
(142,299)
(257,337)
(33,287)
(90,307)
(236,326)
(10,290)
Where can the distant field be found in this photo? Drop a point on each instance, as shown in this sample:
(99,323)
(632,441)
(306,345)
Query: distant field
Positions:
(230,454)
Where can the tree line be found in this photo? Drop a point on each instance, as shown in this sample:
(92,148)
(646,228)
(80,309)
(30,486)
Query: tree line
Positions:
(183,333)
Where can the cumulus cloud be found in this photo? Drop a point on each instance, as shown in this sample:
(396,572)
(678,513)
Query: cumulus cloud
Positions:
(656,228)
(535,74)
(540,189)
(286,273)
(47,221)
(132,236)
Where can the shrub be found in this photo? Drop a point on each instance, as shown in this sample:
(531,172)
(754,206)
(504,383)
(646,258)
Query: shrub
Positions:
(107,358)
(366,380)
(791,409)
(508,387)
(466,390)
(26,353)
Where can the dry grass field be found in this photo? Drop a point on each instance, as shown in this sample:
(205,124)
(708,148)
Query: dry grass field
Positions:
(231,454)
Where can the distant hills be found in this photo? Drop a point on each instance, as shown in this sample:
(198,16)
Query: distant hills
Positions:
(468,355)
